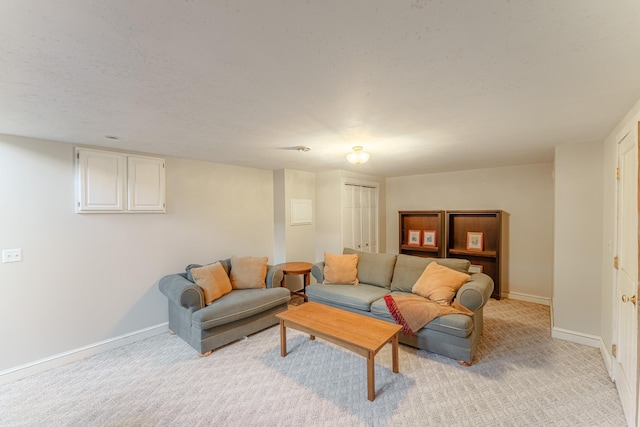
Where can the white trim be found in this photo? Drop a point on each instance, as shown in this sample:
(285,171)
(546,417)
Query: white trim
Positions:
(526,297)
(606,358)
(576,337)
(42,365)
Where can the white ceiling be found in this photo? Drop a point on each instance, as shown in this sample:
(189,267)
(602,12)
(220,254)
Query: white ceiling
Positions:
(424,85)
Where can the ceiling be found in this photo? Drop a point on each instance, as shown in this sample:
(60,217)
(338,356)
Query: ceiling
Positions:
(424,85)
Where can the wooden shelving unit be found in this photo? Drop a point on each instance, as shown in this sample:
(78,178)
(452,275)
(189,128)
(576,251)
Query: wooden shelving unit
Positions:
(492,258)
(422,221)
(451,228)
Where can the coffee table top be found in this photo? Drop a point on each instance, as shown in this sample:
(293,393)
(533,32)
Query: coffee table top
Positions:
(362,331)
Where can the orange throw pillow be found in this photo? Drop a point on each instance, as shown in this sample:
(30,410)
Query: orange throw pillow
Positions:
(213,281)
(248,272)
(340,269)
(439,283)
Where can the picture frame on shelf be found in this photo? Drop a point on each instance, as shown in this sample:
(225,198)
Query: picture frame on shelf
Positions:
(429,238)
(413,238)
(475,240)
(475,269)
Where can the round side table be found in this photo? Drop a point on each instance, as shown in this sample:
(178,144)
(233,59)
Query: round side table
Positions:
(303,268)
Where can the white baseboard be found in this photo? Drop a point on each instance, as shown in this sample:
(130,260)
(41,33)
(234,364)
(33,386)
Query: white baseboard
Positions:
(606,358)
(28,369)
(526,297)
(576,337)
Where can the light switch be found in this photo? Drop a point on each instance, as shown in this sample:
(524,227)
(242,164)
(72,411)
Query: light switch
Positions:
(11,255)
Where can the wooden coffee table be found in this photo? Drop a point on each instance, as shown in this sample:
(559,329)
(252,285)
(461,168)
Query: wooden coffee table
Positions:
(361,334)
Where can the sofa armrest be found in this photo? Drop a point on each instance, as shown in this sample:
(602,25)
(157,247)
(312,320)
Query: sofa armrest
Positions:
(182,291)
(318,271)
(476,292)
(274,277)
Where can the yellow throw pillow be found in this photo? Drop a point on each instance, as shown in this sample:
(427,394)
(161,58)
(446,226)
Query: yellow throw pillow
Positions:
(213,280)
(248,272)
(439,283)
(340,269)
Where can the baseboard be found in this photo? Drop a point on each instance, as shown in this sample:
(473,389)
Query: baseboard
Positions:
(42,365)
(576,337)
(527,297)
(606,358)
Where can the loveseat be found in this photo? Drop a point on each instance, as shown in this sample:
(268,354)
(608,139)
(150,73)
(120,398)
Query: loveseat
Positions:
(452,335)
(236,314)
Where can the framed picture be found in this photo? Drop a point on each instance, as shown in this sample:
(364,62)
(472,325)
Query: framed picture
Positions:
(475,240)
(429,238)
(413,238)
(475,269)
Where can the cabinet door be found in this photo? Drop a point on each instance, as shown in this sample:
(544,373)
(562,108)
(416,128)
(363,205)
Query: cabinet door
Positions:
(100,181)
(146,186)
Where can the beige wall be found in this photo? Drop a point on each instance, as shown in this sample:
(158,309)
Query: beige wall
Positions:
(87,278)
(525,192)
(293,242)
(578,237)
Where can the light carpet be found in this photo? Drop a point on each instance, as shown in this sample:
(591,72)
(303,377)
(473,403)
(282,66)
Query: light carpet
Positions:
(521,376)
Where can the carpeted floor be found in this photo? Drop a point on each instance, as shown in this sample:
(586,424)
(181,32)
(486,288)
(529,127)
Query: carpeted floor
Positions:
(521,377)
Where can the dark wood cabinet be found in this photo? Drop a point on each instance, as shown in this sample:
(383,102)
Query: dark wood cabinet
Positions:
(416,223)
(479,236)
(482,238)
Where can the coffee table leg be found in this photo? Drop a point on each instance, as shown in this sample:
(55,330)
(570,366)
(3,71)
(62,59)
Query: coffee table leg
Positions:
(283,339)
(394,354)
(371,376)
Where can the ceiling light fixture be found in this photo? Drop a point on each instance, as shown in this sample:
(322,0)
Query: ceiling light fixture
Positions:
(357,156)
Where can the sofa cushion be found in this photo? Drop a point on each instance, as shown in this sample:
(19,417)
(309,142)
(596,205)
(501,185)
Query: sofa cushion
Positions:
(439,283)
(354,297)
(373,268)
(409,268)
(248,272)
(239,304)
(213,281)
(459,325)
(340,269)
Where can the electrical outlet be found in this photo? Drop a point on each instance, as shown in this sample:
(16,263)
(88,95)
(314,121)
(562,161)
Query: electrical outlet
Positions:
(12,255)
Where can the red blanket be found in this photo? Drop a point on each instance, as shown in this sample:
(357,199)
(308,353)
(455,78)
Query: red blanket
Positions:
(414,311)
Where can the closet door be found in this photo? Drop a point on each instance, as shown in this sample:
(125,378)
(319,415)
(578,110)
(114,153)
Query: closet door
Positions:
(360,217)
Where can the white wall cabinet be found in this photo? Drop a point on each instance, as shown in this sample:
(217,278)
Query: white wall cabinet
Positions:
(145,179)
(115,182)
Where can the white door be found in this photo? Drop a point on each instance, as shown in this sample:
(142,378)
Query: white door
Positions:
(627,276)
(360,217)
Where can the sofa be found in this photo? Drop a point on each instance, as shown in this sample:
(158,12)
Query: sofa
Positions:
(452,335)
(232,316)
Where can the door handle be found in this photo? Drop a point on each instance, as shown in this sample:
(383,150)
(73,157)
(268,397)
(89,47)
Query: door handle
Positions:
(627,299)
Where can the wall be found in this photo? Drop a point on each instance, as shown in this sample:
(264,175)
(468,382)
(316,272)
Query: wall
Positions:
(578,239)
(90,278)
(329,214)
(293,242)
(525,192)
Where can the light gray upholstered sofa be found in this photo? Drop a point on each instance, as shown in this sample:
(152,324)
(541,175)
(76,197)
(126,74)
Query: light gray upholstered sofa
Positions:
(237,314)
(453,335)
